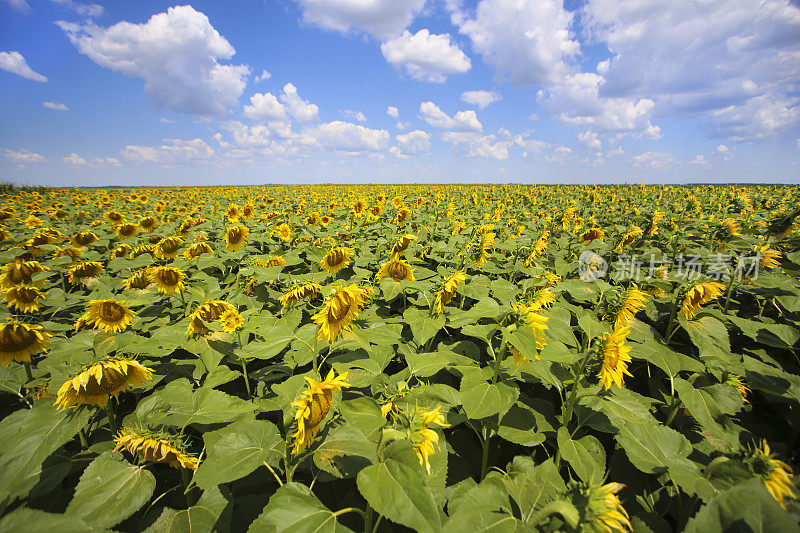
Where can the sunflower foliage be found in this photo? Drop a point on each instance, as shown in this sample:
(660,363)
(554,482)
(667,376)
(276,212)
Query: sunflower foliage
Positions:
(385,358)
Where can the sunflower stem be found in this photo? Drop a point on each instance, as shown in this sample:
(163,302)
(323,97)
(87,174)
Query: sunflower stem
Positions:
(28,373)
(244,368)
(671,326)
(487,437)
(728,296)
(112,418)
(316,352)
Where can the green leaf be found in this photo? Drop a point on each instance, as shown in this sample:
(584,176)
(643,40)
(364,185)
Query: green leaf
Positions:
(423,327)
(204,516)
(427,364)
(30,436)
(585,455)
(775,335)
(276,340)
(518,425)
(243,447)
(24,519)
(293,507)
(396,489)
(711,338)
(482,399)
(744,507)
(484,520)
(704,408)
(345,451)
(110,490)
(176,404)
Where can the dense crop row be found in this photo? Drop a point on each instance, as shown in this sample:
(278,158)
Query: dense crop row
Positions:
(379,358)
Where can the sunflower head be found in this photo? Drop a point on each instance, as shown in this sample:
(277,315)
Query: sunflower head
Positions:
(592,234)
(284,232)
(313,407)
(20,273)
(235,237)
(339,311)
(301,292)
(233,213)
(127,230)
(402,244)
(138,280)
(95,384)
(615,358)
(534,319)
(336,259)
(81,273)
(633,301)
(110,315)
(24,298)
(776,474)
(169,280)
(396,269)
(148,223)
(402,217)
(483,252)
(167,248)
(600,508)
(197,249)
(231,320)
(448,290)
(205,313)
(700,294)
(18,341)
(421,435)
(155,447)
(274,261)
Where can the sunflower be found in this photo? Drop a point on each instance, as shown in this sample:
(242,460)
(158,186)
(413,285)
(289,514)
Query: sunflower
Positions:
(652,229)
(634,302)
(423,437)
(98,382)
(336,259)
(542,299)
(340,310)
(248,210)
(4,234)
(127,230)
(169,280)
(602,508)
(231,321)
(274,261)
(700,294)
(111,316)
(770,258)
(615,358)
(313,407)
(43,236)
(207,312)
(284,232)
(81,273)
(73,253)
(312,219)
(402,244)
(738,383)
(301,292)
(629,238)
(24,298)
(155,448)
(167,248)
(538,248)
(359,208)
(148,223)
(592,234)
(486,243)
(33,221)
(18,341)
(396,269)
(775,473)
(233,213)
(121,250)
(448,290)
(138,280)
(324,220)
(141,250)
(375,211)
(197,249)
(235,237)
(402,217)
(727,229)
(536,321)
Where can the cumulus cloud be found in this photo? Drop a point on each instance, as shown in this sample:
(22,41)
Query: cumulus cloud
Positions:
(392,111)
(589,139)
(176,53)
(171,152)
(462,121)
(355,115)
(473,144)
(415,142)
(55,106)
(383,19)
(23,157)
(15,63)
(98,163)
(347,137)
(85,10)
(264,76)
(403,125)
(300,110)
(654,159)
(265,106)
(425,56)
(482,99)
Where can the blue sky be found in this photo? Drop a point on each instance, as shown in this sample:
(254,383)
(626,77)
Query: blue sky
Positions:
(306,91)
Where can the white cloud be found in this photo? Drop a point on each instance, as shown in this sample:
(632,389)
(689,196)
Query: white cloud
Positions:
(403,125)
(265,106)
(348,137)
(23,157)
(15,63)
(474,144)
(264,76)
(699,160)
(425,56)
(616,152)
(524,41)
(93,162)
(732,65)
(797,144)
(85,10)
(392,111)
(258,136)
(19,5)
(166,121)
(654,159)
(481,99)
(589,139)
(355,115)
(415,142)
(171,152)
(462,121)
(55,106)
(74,159)
(383,19)
(177,55)
(301,110)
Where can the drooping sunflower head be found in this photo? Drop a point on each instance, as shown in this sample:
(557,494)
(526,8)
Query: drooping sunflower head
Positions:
(20,273)
(110,315)
(205,313)
(235,237)
(169,280)
(422,436)
(312,219)
(301,292)
(739,384)
(402,217)
(396,269)
(615,358)
(339,311)
(141,250)
(148,223)
(98,382)
(81,273)
(600,508)
(114,217)
(156,447)
(629,238)
(121,250)
(592,234)
(448,290)
(18,341)
(74,254)
(167,248)
(402,244)
(542,299)
(24,298)
(33,221)
(700,294)
(770,257)
(197,249)
(633,302)
(313,407)
(41,237)
(483,252)
(725,231)
(274,261)
(127,230)
(776,474)
(534,319)
(138,280)
(336,259)
(376,211)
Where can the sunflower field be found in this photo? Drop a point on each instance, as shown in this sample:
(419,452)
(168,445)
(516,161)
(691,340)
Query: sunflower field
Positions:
(395,358)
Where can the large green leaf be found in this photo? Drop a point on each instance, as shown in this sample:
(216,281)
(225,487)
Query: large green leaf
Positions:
(705,409)
(24,519)
(344,452)
(242,447)
(482,399)
(177,404)
(210,513)
(110,490)
(585,455)
(293,507)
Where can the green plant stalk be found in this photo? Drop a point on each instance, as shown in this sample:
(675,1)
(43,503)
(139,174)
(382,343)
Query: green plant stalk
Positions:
(112,417)
(28,373)
(487,437)
(728,293)
(82,437)
(244,368)
(315,361)
(671,325)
